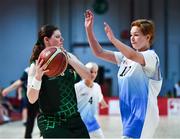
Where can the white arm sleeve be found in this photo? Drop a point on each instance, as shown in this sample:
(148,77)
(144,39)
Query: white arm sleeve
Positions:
(31,74)
(30,78)
(76,90)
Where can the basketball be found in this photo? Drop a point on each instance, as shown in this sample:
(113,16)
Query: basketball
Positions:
(55,60)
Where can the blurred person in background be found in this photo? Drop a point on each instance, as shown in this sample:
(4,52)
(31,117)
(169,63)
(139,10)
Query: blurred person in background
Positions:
(89,96)
(30,111)
(177,89)
(4,114)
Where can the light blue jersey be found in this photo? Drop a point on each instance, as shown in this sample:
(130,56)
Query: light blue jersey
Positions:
(88,100)
(138,89)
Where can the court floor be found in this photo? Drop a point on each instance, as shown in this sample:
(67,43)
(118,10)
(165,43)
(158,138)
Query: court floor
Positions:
(169,127)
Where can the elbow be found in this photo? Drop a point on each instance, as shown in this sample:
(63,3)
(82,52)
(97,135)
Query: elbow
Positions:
(31,101)
(98,53)
(31,98)
(130,56)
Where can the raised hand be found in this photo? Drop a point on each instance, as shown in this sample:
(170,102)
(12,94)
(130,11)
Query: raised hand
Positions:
(89,19)
(108,31)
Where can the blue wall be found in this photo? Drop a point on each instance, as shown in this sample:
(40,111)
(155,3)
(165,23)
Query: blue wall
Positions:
(18,32)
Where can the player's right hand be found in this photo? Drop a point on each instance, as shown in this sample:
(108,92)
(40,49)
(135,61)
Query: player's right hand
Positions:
(40,69)
(89,19)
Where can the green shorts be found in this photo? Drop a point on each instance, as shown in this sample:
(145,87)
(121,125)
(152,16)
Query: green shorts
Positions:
(55,127)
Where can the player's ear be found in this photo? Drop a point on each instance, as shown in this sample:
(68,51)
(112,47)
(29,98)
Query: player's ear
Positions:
(148,37)
(46,39)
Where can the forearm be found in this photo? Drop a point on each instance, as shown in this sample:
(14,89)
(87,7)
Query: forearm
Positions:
(32,95)
(15,85)
(34,85)
(79,67)
(103,104)
(12,87)
(98,50)
(127,51)
(94,44)
(19,91)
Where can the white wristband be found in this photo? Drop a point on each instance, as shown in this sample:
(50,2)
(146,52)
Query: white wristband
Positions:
(30,78)
(36,84)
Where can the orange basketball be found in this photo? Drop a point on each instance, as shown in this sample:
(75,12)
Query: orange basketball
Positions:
(55,60)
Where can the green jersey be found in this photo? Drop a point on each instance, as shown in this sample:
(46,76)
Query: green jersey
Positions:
(57,94)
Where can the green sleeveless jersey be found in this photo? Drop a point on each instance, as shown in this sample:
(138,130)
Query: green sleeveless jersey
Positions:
(57,94)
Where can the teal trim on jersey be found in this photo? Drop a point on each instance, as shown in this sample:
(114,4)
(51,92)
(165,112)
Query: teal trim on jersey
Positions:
(75,76)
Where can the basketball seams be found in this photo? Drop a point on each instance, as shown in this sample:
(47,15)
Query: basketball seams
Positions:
(55,68)
(52,56)
(65,61)
(62,67)
(56,60)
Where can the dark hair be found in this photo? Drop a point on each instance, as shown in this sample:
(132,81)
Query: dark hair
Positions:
(146,27)
(45,31)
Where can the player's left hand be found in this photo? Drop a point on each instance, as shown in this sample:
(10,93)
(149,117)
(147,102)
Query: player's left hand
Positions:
(108,31)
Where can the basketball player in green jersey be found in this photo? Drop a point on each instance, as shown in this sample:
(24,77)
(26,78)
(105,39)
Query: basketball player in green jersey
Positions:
(59,116)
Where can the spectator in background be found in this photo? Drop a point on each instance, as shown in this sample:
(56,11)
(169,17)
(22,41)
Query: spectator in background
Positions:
(20,85)
(5,103)
(4,115)
(32,109)
(177,89)
(21,92)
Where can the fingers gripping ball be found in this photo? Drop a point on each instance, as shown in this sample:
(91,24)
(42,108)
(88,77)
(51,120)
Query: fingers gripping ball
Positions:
(55,60)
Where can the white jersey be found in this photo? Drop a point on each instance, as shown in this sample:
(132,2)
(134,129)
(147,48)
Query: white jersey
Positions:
(139,87)
(88,100)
